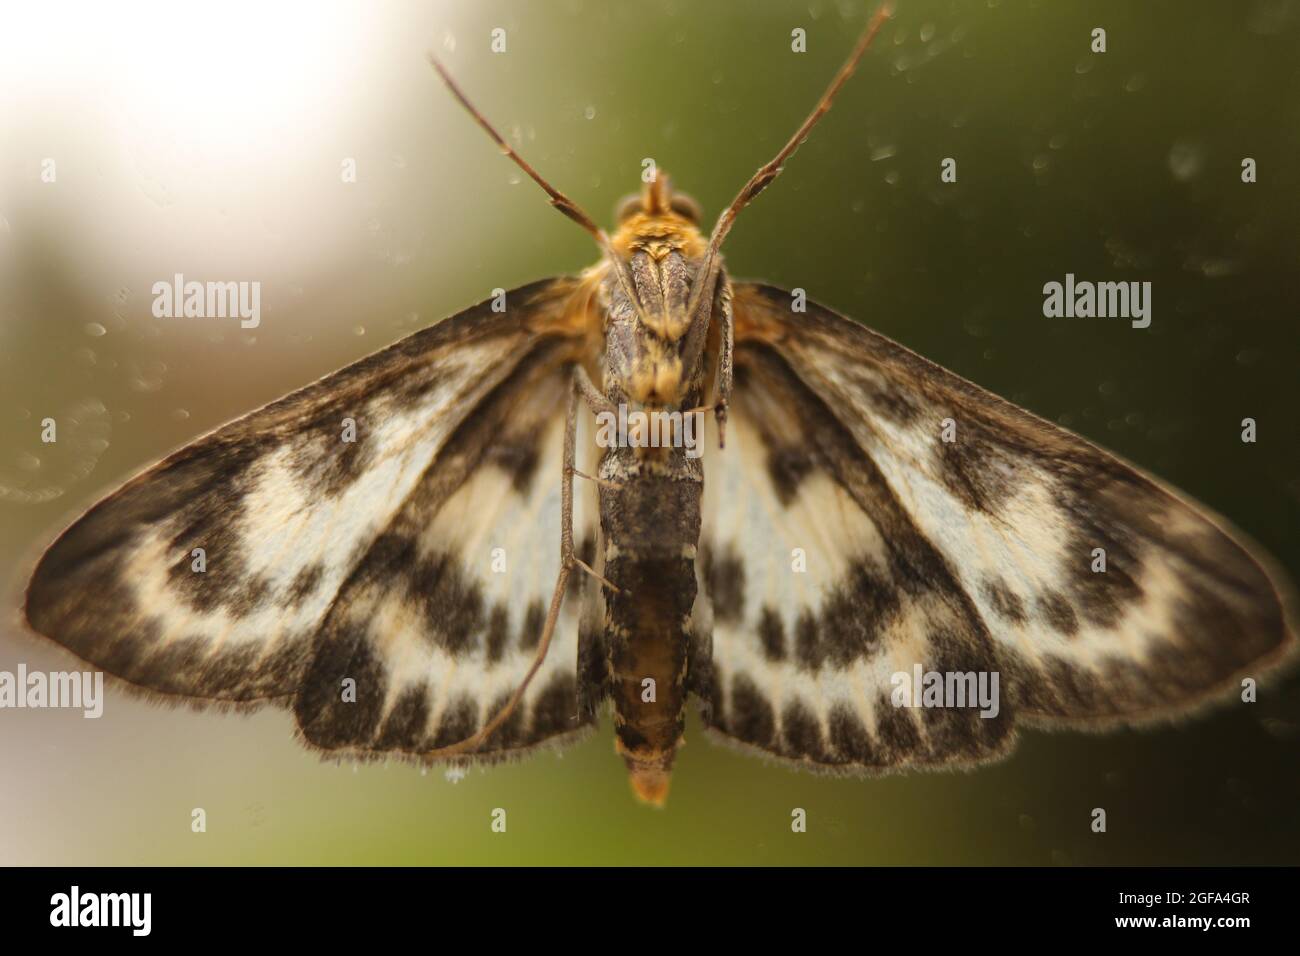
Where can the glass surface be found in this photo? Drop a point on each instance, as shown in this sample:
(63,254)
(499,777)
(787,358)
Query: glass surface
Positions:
(212,143)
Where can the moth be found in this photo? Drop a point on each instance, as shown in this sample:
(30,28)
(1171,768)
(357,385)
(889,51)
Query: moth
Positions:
(376,552)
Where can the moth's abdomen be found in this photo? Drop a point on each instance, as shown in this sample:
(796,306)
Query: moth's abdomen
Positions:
(651,528)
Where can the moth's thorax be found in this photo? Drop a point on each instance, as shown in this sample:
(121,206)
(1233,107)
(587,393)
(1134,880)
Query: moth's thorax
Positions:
(646,293)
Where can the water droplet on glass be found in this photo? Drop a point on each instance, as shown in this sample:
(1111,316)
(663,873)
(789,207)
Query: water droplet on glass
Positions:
(1216,268)
(147,378)
(1281,729)
(1185,160)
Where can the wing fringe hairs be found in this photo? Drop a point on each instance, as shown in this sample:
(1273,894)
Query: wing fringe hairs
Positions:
(458,432)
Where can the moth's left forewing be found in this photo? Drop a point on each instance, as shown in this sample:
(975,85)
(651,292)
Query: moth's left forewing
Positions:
(441,619)
(352,523)
(206,574)
(979,549)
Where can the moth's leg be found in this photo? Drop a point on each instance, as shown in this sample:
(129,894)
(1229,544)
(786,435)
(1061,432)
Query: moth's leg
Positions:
(598,403)
(726,368)
(568,557)
(693,348)
(593,396)
(568,560)
(592,478)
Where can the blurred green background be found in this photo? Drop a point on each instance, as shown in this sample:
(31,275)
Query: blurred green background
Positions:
(209,140)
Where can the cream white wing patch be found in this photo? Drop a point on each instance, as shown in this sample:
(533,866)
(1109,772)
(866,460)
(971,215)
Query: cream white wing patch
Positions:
(440,622)
(980,555)
(210,575)
(814,605)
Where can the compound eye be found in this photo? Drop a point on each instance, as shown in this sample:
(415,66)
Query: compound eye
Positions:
(686,207)
(628,205)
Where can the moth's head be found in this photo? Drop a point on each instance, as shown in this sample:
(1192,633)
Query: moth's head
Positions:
(659,245)
(657,200)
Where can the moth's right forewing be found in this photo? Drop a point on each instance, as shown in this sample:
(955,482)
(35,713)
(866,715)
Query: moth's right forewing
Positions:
(209,574)
(970,533)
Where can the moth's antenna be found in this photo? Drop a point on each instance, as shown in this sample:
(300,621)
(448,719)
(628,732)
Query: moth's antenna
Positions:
(770,170)
(558,199)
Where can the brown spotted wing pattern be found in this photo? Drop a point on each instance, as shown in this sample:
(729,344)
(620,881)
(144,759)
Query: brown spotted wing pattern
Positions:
(389,589)
(963,556)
